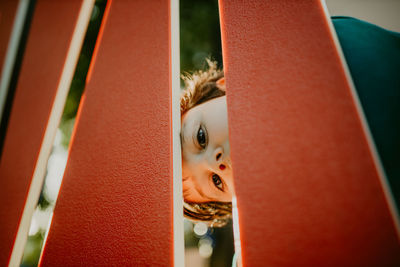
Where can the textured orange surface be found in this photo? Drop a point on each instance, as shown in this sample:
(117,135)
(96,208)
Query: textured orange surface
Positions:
(115,203)
(8,9)
(44,57)
(307,188)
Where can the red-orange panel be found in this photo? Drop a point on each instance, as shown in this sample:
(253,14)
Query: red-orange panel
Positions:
(48,41)
(307,188)
(8,9)
(115,202)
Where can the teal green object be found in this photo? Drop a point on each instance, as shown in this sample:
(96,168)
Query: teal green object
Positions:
(373,56)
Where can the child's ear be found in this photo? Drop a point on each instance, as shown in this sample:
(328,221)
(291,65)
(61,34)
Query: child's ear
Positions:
(221,84)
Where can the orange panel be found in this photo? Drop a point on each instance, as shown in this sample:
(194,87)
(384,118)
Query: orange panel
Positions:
(308,190)
(115,202)
(48,42)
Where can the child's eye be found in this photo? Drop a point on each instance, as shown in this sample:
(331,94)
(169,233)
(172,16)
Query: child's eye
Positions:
(201,137)
(217,181)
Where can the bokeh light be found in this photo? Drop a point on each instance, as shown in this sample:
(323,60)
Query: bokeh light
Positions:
(200,229)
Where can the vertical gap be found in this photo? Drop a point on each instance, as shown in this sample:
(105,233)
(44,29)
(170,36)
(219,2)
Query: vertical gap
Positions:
(15,70)
(41,219)
(237,258)
(200,38)
(179,246)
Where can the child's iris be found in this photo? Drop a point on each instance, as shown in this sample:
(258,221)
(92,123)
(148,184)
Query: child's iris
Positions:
(217,181)
(201,138)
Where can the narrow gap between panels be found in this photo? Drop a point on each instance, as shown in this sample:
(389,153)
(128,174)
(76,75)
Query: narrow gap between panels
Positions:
(209,203)
(56,163)
(179,247)
(12,63)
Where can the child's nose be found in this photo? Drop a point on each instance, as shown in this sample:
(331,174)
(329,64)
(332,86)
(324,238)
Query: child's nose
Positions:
(219,159)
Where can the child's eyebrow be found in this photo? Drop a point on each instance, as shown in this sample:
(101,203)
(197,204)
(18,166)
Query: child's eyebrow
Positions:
(181,137)
(197,188)
(201,192)
(185,193)
(184,137)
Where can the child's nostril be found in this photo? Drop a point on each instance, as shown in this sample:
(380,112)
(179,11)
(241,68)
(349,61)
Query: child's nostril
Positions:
(222,167)
(219,156)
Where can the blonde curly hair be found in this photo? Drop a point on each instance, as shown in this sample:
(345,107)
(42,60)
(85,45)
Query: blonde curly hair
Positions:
(201,86)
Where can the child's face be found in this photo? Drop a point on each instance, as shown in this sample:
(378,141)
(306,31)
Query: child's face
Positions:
(206,163)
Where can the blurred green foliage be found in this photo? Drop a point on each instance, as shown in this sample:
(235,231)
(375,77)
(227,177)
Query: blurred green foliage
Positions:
(79,80)
(32,250)
(200,35)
